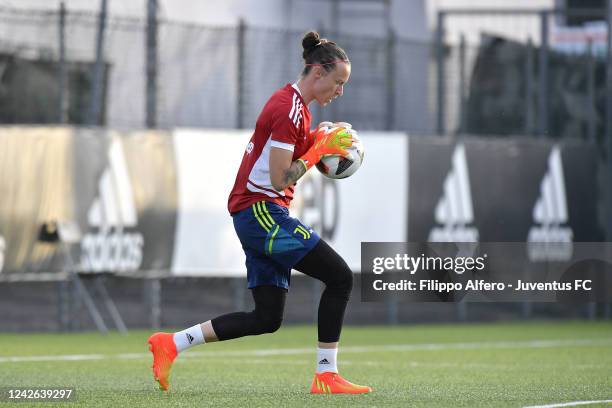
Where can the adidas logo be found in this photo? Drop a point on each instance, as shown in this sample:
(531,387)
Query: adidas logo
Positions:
(548,240)
(2,248)
(324,361)
(296,111)
(454,211)
(343,164)
(110,248)
(189,338)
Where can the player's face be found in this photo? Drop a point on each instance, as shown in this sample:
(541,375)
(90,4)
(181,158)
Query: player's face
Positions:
(330,85)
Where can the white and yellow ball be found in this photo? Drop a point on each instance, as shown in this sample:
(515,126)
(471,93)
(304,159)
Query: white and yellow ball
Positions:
(337,166)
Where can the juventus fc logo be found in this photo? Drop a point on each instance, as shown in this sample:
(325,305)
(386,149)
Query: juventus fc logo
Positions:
(302,231)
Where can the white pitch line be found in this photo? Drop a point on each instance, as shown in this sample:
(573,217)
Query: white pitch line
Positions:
(568,404)
(310,350)
(69,357)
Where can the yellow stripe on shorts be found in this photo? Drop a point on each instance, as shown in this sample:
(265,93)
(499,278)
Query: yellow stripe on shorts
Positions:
(266,213)
(272,239)
(262,215)
(259,219)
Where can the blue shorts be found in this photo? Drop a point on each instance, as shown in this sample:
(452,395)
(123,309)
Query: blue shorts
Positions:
(273,243)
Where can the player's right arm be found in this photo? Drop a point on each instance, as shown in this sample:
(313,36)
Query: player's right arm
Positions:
(284,172)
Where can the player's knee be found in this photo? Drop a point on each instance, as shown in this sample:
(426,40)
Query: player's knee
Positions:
(342,283)
(270,324)
(346,285)
(268,320)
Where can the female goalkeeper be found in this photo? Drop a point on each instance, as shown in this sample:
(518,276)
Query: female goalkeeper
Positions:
(281,150)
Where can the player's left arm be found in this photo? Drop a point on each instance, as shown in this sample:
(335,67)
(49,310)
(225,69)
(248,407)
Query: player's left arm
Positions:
(283,171)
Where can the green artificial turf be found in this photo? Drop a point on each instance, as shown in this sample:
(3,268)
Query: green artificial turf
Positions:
(488,365)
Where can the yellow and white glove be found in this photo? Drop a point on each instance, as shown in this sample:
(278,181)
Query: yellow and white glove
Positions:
(328,141)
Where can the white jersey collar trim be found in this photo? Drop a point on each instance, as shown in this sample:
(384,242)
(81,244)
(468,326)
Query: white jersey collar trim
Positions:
(294,86)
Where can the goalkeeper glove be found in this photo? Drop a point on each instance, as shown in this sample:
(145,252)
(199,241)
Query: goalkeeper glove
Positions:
(328,141)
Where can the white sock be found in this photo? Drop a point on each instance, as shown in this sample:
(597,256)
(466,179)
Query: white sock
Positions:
(326,360)
(188,338)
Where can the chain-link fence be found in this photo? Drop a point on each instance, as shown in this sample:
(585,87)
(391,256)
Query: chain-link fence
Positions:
(534,73)
(523,72)
(514,75)
(208,77)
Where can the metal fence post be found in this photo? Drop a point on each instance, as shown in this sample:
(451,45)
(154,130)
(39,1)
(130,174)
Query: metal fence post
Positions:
(591,310)
(543,76)
(63,94)
(74,306)
(152,293)
(608,125)
(440,73)
(529,81)
(96,92)
(462,311)
(590,68)
(63,305)
(526,310)
(239,289)
(392,310)
(151,65)
(462,87)
(390,79)
(241,61)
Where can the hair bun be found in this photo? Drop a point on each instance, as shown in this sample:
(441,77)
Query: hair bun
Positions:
(322,52)
(310,41)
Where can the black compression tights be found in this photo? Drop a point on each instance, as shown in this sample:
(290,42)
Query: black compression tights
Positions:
(322,263)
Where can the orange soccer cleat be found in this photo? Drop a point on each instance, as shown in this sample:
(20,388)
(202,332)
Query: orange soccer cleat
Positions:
(164,352)
(333,383)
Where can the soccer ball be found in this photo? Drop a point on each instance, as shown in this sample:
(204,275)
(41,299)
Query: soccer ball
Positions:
(339,167)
